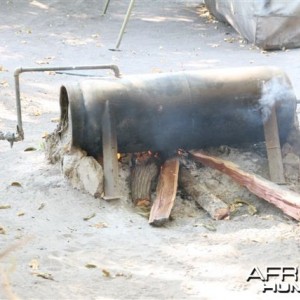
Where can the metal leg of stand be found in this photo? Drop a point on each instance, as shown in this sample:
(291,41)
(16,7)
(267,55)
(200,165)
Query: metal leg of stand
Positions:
(110,159)
(274,149)
(124,24)
(105,7)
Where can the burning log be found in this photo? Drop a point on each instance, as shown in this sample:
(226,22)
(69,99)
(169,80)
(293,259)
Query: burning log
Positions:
(216,208)
(142,176)
(286,200)
(165,192)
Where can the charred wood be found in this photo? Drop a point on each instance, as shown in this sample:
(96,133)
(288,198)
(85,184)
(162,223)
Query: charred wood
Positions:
(143,175)
(165,192)
(215,207)
(284,199)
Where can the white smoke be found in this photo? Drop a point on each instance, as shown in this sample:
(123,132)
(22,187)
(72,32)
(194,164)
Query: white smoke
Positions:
(273,91)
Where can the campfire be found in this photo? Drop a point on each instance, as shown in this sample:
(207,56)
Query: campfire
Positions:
(154,121)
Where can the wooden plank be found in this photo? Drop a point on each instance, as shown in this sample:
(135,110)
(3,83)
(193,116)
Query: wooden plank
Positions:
(110,151)
(165,192)
(273,148)
(286,200)
(215,207)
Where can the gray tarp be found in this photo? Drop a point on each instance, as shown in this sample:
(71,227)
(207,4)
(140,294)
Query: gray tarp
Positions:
(270,24)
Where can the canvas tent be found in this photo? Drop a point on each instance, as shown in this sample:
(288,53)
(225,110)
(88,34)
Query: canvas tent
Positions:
(270,24)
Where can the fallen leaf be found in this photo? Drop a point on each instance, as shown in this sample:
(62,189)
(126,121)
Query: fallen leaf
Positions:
(121,274)
(144,214)
(45,60)
(99,225)
(156,70)
(34,264)
(105,273)
(74,42)
(55,120)
(37,113)
(89,217)
(45,134)
(5,206)
(4,83)
(41,206)
(2,69)
(42,62)
(209,227)
(30,149)
(16,184)
(44,275)
(90,266)
(2,231)
(252,210)
(143,203)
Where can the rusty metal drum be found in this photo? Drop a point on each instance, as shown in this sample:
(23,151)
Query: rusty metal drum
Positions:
(164,112)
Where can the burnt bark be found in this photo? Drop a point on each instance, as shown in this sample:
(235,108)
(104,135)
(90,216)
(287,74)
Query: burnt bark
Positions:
(215,207)
(165,192)
(143,176)
(284,199)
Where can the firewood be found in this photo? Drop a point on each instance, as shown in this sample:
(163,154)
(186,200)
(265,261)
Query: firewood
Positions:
(215,207)
(286,200)
(165,192)
(142,176)
(273,148)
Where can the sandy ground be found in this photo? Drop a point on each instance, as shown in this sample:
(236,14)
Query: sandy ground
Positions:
(131,260)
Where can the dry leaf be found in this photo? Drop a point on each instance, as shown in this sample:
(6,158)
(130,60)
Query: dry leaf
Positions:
(2,231)
(4,83)
(5,206)
(90,266)
(45,134)
(252,210)
(55,120)
(30,149)
(105,273)
(2,69)
(89,217)
(45,60)
(34,264)
(99,225)
(156,70)
(15,183)
(44,275)
(37,113)
(42,206)
(74,42)
(42,62)
(209,227)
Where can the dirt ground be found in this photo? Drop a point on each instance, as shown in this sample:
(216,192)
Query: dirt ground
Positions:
(116,254)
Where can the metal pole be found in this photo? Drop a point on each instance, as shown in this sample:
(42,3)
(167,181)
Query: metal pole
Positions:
(105,7)
(124,24)
(18,104)
(18,71)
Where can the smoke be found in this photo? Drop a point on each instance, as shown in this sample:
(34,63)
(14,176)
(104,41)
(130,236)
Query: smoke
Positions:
(273,91)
